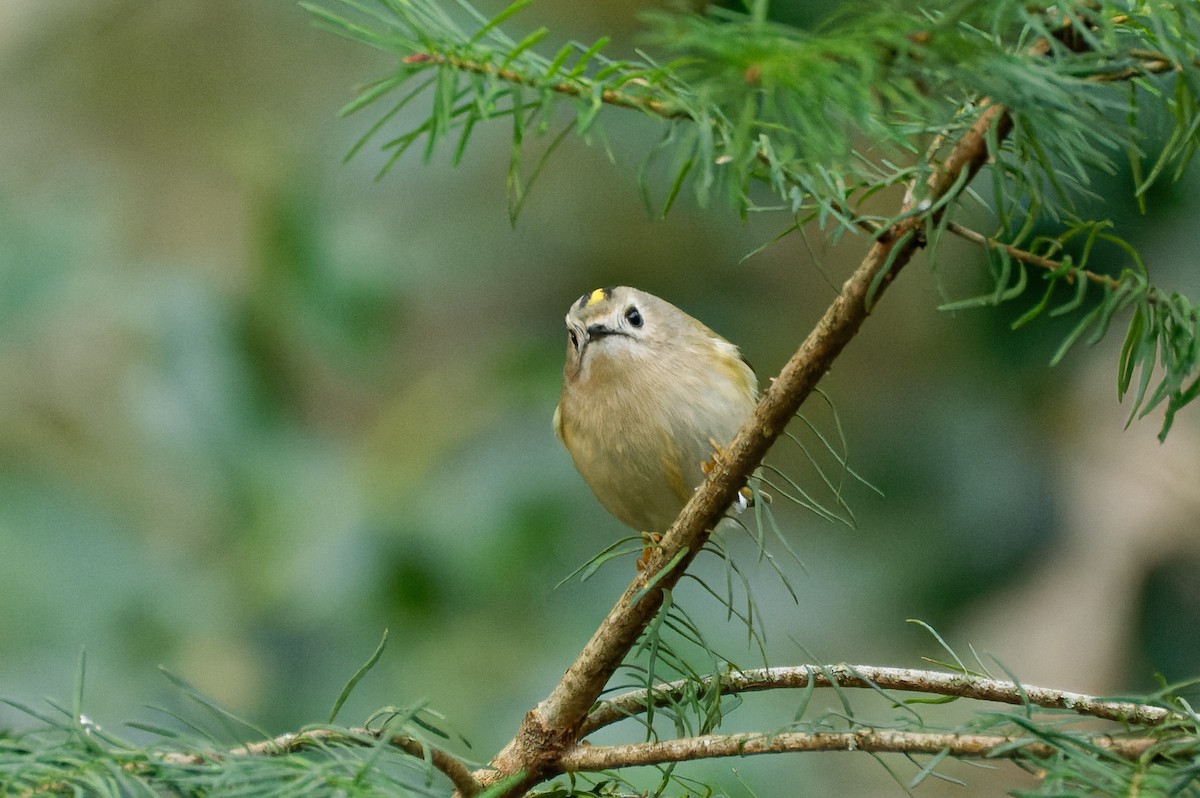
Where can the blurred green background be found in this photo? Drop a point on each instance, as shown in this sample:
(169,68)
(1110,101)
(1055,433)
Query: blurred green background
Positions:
(256,406)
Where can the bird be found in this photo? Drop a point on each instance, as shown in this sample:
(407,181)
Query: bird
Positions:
(649,396)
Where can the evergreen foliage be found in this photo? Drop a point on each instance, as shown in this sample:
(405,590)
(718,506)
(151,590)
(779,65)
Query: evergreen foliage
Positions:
(815,124)
(826,127)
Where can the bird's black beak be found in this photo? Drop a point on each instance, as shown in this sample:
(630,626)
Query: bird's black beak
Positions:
(595,331)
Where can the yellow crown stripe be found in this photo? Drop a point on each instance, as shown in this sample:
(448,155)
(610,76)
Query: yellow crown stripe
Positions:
(599,295)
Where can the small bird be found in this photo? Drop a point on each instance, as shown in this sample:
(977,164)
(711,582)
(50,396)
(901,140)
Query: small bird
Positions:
(649,395)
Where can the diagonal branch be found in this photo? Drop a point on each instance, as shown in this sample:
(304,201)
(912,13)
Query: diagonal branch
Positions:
(874,677)
(551,728)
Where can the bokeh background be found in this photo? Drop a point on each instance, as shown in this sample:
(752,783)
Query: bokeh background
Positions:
(256,406)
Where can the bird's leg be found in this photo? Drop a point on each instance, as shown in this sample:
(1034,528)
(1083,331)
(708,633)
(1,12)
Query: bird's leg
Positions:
(745,496)
(651,539)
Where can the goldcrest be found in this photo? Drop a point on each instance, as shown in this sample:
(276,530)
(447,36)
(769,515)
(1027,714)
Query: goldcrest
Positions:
(649,393)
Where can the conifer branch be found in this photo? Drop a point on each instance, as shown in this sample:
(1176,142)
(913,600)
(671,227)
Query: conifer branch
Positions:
(451,766)
(961,685)
(1149,62)
(575,88)
(592,758)
(1025,256)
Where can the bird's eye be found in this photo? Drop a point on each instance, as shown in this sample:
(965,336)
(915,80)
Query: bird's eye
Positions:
(574,339)
(633,316)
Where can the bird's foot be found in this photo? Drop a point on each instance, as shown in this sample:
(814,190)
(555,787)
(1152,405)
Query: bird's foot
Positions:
(651,539)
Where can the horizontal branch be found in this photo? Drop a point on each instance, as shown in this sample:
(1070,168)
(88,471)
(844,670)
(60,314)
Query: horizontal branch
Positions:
(1014,252)
(875,677)
(1025,256)
(1033,259)
(1150,62)
(1154,295)
(569,88)
(451,766)
(592,758)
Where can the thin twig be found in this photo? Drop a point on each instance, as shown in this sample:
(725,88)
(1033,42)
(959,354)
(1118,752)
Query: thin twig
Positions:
(570,88)
(871,676)
(591,758)
(1153,294)
(1152,62)
(451,766)
(1025,256)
